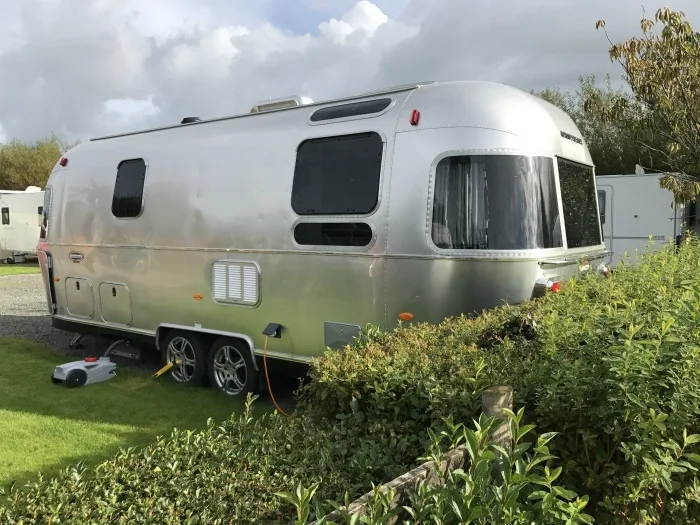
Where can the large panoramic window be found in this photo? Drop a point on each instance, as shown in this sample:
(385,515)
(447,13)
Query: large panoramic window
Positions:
(579,199)
(495,202)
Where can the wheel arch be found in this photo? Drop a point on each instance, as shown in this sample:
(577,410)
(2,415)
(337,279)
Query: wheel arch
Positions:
(165,328)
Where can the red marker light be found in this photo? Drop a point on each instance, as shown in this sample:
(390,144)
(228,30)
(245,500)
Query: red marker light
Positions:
(90,359)
(63,161)
(555,287)
(415,117)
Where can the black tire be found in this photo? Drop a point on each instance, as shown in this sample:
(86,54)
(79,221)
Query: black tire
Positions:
(231,367)
(76,378)
(193,346)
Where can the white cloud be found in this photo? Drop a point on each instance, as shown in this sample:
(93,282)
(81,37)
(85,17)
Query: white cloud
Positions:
(127,112)
(85,67)
(364,18)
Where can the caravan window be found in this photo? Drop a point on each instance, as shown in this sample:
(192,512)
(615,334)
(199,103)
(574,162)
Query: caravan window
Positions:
(333,234)
(601,205)
(578,195)
(495,202)
(127,201)
(45,210)
(353,109)
(338,175)
(5,216)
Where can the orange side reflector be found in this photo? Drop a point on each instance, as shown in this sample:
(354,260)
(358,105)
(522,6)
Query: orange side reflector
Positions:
(198,296)
(406,316)
(56,279)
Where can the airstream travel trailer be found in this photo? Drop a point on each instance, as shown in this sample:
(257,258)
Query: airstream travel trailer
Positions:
(635,209)
(308,220)
(20,220)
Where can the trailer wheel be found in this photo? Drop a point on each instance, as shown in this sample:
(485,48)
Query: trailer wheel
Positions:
(231,367)
(191,350)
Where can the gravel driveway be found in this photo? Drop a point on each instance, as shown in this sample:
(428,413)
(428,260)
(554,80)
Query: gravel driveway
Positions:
(24,313)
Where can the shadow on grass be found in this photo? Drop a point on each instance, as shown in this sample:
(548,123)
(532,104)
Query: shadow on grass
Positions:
(46,427)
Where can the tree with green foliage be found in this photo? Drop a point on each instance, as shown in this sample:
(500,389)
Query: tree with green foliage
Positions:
(615,143)
(23,164)
(663,71)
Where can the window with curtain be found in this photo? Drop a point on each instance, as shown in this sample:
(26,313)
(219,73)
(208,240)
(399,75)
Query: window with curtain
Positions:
(496,202)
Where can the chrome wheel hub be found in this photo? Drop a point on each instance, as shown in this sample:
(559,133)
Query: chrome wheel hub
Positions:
(230,370)
(181,353)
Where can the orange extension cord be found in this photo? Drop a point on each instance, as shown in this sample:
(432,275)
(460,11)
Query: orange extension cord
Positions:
(267,377)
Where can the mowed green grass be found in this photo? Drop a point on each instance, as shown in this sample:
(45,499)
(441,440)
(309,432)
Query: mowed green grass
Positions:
(17,269)
(46,427)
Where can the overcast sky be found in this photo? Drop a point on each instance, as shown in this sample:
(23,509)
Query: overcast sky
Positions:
(80,68)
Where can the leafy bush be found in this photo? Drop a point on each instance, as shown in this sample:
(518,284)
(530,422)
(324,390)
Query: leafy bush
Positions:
(610,365)
(498,485)
(614,369)
(226,473)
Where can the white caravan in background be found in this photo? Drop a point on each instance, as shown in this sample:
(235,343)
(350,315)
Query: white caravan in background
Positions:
(20,223)
(634,207)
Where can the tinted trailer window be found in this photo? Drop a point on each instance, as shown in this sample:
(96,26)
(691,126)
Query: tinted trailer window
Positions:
(579,201)
(338,175)
(495,202)
(127,201)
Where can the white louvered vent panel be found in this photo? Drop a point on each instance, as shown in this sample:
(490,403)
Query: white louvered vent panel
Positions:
(219,282)
(250,284)
(236,283)
(235,280)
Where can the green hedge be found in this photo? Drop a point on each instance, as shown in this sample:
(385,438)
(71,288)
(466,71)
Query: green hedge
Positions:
(611,365)
(514,486)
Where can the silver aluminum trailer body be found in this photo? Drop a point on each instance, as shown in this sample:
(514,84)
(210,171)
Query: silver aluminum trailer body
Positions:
(431,200)
(634,210)
(20,221)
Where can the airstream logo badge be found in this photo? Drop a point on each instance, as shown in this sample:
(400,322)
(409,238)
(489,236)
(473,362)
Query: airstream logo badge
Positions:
(76,256)
(571,137)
